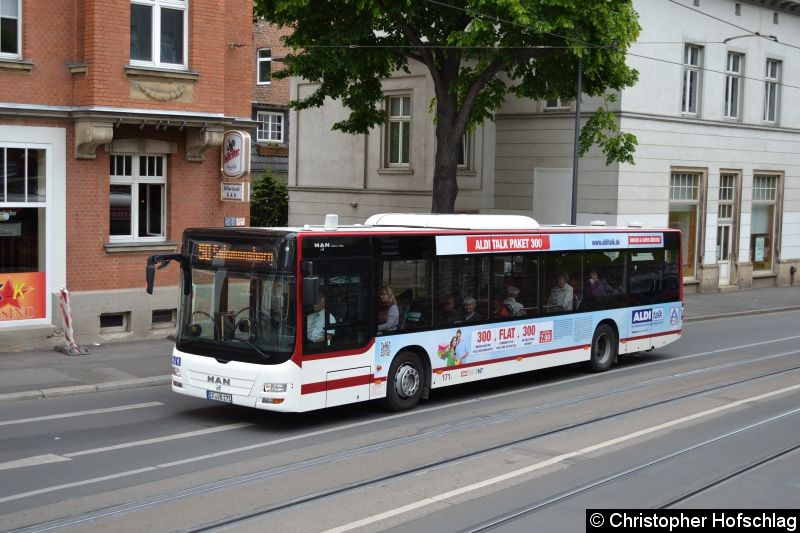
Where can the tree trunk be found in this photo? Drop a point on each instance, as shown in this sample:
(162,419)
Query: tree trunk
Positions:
(445,185)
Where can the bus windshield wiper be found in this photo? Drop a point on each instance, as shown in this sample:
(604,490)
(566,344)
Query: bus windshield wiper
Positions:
(262,353)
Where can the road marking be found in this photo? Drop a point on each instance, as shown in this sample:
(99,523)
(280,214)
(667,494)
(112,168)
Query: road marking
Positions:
(53,458)
(82,413)
(165,438)
(643,365)
(33,461)
(75,484)
(442,498)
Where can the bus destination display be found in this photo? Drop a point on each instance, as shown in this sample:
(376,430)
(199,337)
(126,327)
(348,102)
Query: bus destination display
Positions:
(208,252)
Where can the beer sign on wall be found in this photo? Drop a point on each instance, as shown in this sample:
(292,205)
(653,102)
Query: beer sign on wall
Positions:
(235,154)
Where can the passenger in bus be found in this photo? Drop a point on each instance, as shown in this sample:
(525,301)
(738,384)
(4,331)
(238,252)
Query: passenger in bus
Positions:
(447,311)
(561,295)
(517,309)
(499,309)
(597,286)
(315,323)
(388,313)
(470,312)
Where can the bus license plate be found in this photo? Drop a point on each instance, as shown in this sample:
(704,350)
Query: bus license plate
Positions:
(219,396)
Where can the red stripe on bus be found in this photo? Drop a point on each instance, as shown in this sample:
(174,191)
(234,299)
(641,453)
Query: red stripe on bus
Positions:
(513,357)
(322,386)
(660,334)
(343,353)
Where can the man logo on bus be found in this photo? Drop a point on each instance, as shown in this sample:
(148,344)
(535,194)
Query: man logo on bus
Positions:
(642,316)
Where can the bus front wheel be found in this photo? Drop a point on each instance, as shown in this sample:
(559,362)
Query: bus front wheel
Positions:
(405,383)
(604,348)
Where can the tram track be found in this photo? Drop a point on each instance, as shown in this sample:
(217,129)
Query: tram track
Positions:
(537,506)
(468,425)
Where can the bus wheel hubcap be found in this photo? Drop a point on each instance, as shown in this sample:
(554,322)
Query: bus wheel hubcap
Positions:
(406,381)
(601,348)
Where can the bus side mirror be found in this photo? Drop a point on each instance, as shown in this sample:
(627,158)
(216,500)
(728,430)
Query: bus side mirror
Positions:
(310,290)
(150,277)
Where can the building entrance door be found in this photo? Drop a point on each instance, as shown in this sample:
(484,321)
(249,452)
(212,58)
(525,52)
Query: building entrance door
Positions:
(726,217)
(724,253)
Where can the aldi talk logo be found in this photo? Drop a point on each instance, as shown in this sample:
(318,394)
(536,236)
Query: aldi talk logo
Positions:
(642,316)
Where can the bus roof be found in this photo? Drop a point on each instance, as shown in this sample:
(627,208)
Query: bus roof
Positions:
(426,222)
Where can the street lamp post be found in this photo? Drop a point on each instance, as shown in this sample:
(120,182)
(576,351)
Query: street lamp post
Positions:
(574,214)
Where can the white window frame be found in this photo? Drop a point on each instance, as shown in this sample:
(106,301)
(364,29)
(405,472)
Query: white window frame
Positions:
(261,61)
(265,132)
(464,156)
(686,189)
(404,123)
(556,104)
(18,17)
(134,180)
(772,92)
(691,80)
(155,44)
(767,192)
(734,83)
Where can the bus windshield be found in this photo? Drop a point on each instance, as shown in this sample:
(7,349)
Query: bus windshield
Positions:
(241,307)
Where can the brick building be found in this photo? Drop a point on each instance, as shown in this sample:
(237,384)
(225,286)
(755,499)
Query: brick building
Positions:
(112,114)
(270,102)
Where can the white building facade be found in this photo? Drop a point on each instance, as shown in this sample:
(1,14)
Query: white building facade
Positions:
(718,151)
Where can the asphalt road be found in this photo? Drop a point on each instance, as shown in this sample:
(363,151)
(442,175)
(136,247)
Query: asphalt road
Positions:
(710,421)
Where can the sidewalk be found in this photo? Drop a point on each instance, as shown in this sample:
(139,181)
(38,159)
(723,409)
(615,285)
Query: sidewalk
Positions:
(124,365)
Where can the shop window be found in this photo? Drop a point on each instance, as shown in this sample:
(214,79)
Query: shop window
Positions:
(763,222)
(685,215)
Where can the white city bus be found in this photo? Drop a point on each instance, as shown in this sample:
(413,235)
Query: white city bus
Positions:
(295,319)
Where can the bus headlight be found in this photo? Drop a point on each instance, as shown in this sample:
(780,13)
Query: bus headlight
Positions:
(176,371)
(274,387)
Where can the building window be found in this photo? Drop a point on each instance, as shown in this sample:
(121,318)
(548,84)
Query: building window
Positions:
(737,9)
(464,152)
(159,35)
(771,90)
(10,28)
(398,131)
(137,201)
(692,57)
(763,221)
(733,85)
(684,214)
(555,103)
(264,65)
(270,127)
(23,203)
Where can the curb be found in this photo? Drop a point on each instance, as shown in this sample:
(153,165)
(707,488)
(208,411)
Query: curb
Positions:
(85,389)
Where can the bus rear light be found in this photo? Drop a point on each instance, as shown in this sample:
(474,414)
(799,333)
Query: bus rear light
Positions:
(177,384)
(176,371)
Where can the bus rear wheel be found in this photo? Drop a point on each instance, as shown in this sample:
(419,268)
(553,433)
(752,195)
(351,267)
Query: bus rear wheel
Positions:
(604,348)
(405,383)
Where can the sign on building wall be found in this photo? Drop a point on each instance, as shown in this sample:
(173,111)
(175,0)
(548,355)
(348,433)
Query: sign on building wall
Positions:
(22,296)
(235,154)
(234,191)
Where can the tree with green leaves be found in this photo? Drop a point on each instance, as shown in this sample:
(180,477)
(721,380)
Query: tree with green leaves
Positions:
(476,51)
(269,202)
